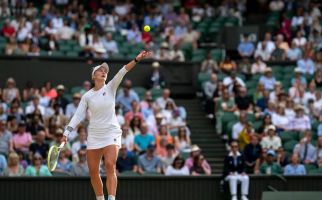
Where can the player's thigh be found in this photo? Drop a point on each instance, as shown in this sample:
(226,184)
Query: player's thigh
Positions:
(94,157)
(110,154)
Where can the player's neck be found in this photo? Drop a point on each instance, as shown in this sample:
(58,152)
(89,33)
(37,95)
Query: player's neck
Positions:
(98,85)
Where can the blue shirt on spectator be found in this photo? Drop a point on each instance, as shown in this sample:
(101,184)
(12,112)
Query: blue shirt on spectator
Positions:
(246,48)
(268,82)
(320,130)
(3,164)
(149,165)
(125,101)
(303,81)
(294,169)
(306,66)
(143,141)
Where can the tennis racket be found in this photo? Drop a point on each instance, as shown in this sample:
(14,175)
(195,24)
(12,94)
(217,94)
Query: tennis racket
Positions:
(53,156)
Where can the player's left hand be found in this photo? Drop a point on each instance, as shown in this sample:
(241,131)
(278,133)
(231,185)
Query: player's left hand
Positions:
(143,54)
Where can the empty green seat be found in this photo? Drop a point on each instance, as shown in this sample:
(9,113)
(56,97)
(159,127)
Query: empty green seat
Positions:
(140,91)
(289,145)
(156,93)
(289,135)
(72,54)
(75,89)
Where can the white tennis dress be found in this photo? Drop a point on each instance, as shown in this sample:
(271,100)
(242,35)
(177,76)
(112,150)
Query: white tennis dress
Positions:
(103,129)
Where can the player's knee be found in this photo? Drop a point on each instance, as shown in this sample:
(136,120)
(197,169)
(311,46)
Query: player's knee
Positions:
(93,172)
(110,166)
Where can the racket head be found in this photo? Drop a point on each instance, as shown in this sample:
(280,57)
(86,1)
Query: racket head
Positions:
(52,158)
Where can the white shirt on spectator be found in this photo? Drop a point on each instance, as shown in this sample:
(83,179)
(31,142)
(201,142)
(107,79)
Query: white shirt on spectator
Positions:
(121,10)
(128,141)
(277,5)
(297,20)
(160,102)
(170,171)
(318,104)
(82,40)
(76,147)
(237,128)
(31,109)
(61,2)
(70,110)
(50,31)
(289,113)
(22,34)
(300,41)
(134,36)
(280,120)
(270,46)
(58,22)
(258,68)
(110,46)
(271,142)
(66,33)
(228,82)
(300,123)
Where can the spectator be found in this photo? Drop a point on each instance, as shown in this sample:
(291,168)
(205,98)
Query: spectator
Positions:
(298,19)
(294,168)
(126,96)
(177,54)
(86,87)
(269,167)
(52,44)
(246,48)
(134,35)
(127,138)
(279,119)
(3,164)
(50,92)
(294,53)
(195,152)
(80,168)
(66,32)
(8,30)
(126,161)
(6,144)
(22,139)
(306,65)
(135,111)
(245,136)
(143,140)
(161,141)
(232,82)
(271,141)
(209,65)
(191,37)
(262,102)
(299,40)
(71,108)
(3,115)
(298,77)
(279,53)
(35,106)
(242,100)
(86,42)
(157,79)
(182,140)
(80,142)
(306,151)
(234,172)
(263,52)
(149,162)
(269,44)
(209,89)
(300,122)
(110,45)
(239,126)
(252,152)
(268,80)
(10,92)
(259,66)
(282,158)
(319,150)
(39,146)
(161,101)
(37,168)
(228,65)
(198,167)
(61,100)
(169,157)
(164,52)
(14,168)
(177,168)
(64,164)
(11,46)
(276,5)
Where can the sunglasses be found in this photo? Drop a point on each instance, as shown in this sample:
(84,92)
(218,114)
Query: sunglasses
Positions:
(37,158)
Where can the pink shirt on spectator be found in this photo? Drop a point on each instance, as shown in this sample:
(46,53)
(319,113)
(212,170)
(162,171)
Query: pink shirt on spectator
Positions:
(189,163)
(24,138)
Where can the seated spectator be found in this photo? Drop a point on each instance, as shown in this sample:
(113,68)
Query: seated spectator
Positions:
(191,37)
(162,140)
(3,114)
(269,167)
(271,141)
(126,96)
(263,51)
(80,142)
(268,80)
(143,140)
(86,42)
(318,100)
(245,135)
(134,35)
(110,45)
(177,54)
(149,162)
(242,100)
(168,111)
(300,122)
(135,126)
(157,79)
(126,161)
(161,101)
(234,172)
(232,82)
(278,54)
(245,47)
(135,111)
(52,44)
(299,77)
(239,126)
(51,30)
(22,139)
(306,65)
(6,145)
(282,158)
(209,65)
(63,163)
(209,89)
(279,119)
(169,157)
(195,152)
(319,150)
(37,168)
(294,53)
(294,168)
(252,152)
(299,40)
(163,53)
(228,65)
(39,145)
(35,106)
(10,92)
(305,149)
(182,140)
(262,103)
(177,168)
(8,30)
(14,167)
(198,167)
(80,168)
(276,5)
(71,107)
(127,138)
(61,100)
(11,46)
(3,164)
(66,32)
(147,109)
(259,66)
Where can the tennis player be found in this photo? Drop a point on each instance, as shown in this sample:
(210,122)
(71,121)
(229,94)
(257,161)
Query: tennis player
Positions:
(104,132)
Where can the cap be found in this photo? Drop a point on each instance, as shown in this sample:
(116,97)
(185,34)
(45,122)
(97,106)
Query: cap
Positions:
(164,45)
(278,83)
(271,127)
(77,95)
(268,69)
(271,153)
(297,70)
(298,107)
(100,50)
(99,66)
(60,87)
(195,148)
(155,64)
(159,115)
(59,131)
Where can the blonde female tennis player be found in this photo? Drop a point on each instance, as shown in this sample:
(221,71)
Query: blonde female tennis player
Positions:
(104,132)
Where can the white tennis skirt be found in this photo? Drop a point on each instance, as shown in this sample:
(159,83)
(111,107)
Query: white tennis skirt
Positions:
(100,138)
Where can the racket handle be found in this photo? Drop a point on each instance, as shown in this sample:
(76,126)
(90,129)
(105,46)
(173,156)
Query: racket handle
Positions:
(61,145)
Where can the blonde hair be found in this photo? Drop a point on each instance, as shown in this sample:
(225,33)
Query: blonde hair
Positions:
(12,159)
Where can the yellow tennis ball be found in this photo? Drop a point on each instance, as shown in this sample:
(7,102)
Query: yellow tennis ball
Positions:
(146,28)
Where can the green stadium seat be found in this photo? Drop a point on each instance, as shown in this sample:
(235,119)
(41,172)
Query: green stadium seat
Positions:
(58,53)
(3,40)
(72,54)
(310,167)
(65,48)
(75,89)
(289,145)
(129,173)
(289,135)
(203,77)
(156,93)
(140,91)
(257,125)
(315,171)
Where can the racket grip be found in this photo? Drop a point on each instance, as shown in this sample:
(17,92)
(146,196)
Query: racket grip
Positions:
(61,145)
